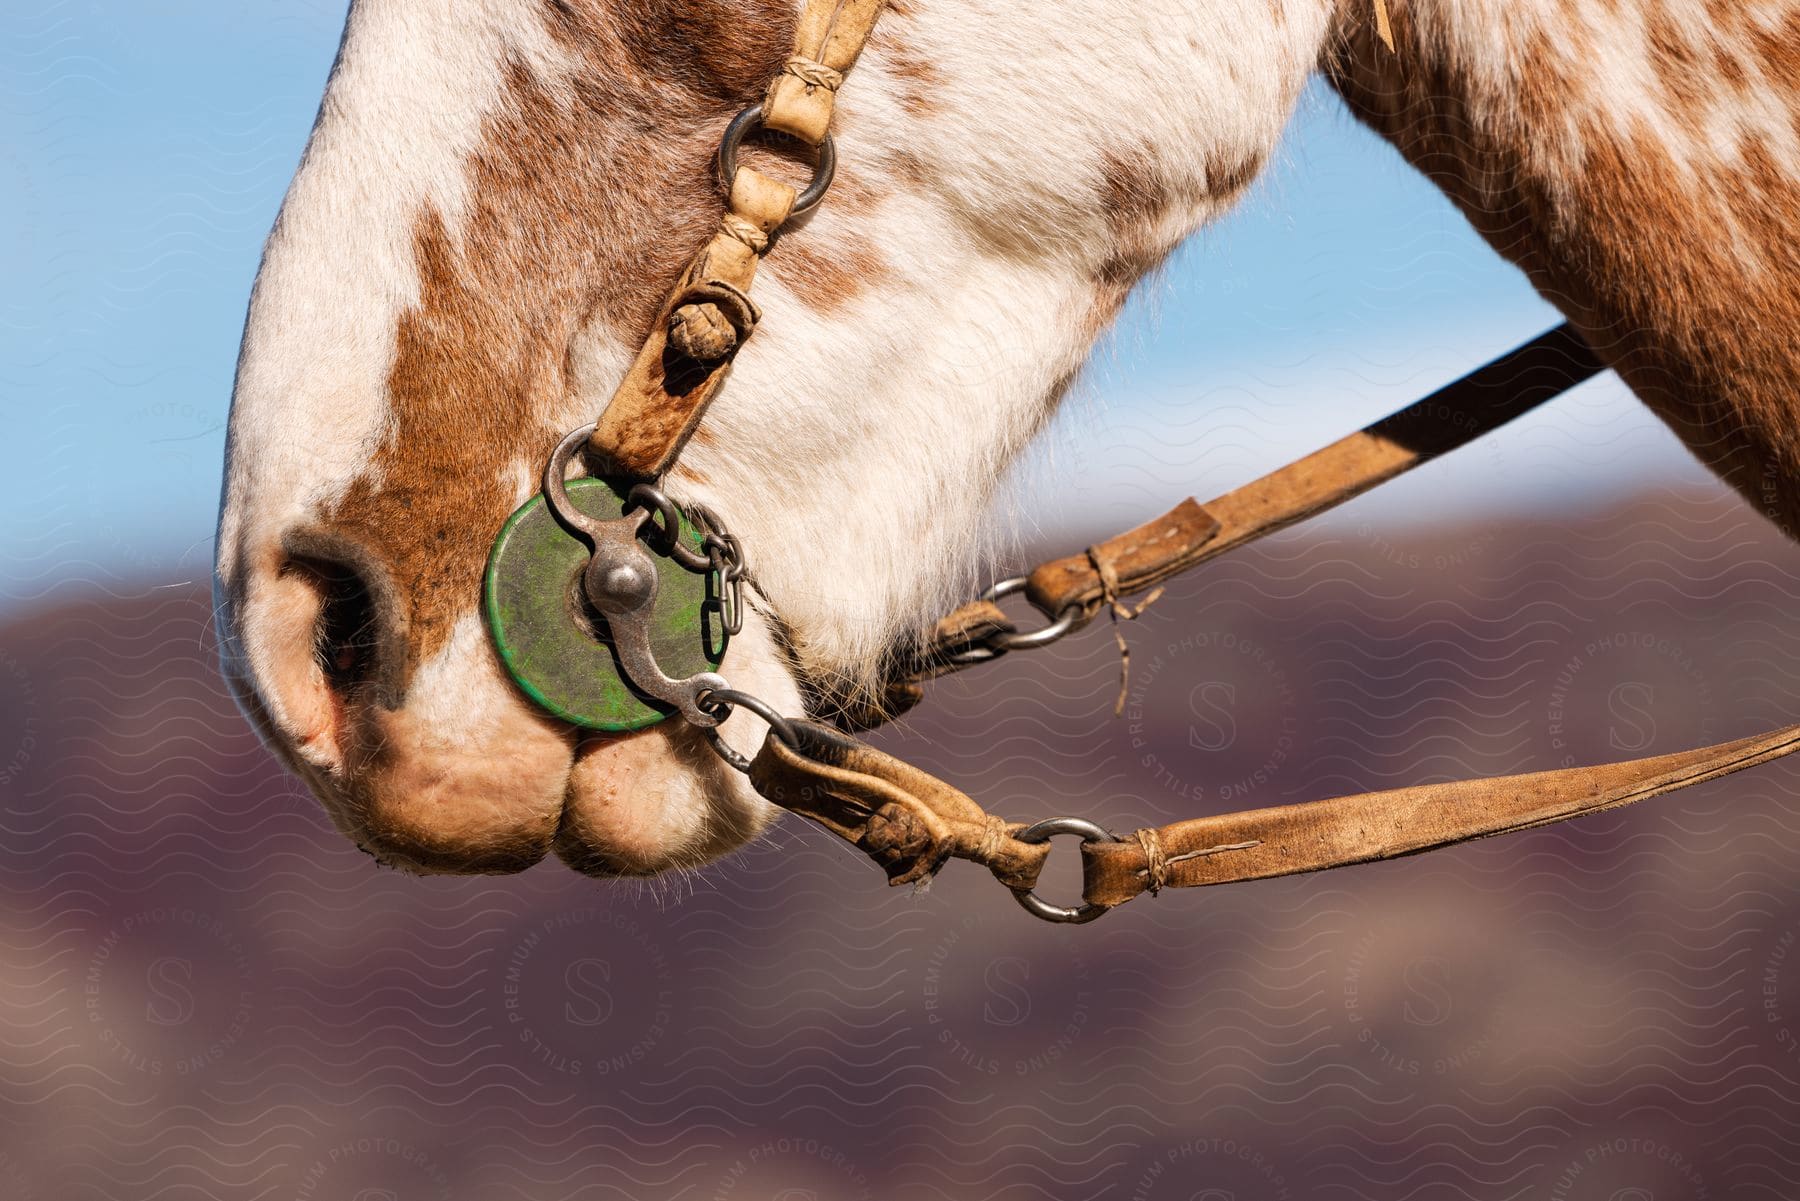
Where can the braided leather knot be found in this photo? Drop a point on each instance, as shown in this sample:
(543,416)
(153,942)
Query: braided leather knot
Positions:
(813,73)
(746,231)
(902,841)
(701,332)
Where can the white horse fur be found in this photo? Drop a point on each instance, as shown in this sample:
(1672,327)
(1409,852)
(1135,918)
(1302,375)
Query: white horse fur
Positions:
(1008,171)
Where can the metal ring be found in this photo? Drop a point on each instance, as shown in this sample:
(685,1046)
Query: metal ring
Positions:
(662,527)
(732,698)
(556,488)
(1042,832)
(723,750)
(1068,620)
(751,119)
(1005,588)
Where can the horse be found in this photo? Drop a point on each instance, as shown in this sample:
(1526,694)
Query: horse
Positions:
(497,194)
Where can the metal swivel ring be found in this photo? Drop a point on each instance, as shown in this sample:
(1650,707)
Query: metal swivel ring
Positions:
(1042,832)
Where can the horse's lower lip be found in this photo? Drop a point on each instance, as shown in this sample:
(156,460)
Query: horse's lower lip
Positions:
(641,803)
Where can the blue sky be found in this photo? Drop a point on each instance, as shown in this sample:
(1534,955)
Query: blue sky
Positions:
(144,150)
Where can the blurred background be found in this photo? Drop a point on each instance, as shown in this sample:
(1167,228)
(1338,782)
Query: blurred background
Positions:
(206,991)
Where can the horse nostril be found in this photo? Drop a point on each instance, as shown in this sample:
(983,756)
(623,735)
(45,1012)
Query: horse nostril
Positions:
(346,633)
(353,624)
(317,638)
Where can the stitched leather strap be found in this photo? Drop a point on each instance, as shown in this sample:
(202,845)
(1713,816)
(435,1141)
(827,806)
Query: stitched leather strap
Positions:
(830,36)
(1188,535)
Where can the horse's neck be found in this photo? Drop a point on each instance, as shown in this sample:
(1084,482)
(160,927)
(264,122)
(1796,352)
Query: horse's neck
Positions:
(1006,173)
(1641,162)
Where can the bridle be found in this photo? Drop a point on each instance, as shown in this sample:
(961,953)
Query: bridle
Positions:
(615,622)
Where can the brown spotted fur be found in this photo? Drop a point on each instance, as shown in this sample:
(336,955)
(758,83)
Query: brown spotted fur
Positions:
(578,213)
(1687,281)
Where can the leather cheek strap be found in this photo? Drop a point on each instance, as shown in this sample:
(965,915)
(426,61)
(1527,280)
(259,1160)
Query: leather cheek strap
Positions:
(709,315)
(829,37)
(664,394)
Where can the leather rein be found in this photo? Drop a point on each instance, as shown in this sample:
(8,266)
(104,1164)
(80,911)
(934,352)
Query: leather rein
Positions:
(632,571)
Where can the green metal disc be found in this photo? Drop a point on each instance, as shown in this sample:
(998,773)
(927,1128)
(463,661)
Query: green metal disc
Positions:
(555,646)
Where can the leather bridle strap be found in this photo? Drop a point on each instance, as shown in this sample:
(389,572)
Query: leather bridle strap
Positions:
(827,40)
(1477,404)
(1075,588)
(912,823)
(907,820)
(1287,839)
(709,314)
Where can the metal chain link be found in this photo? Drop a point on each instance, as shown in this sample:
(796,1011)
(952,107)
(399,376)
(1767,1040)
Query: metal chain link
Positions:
(720,557)
(725,560)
